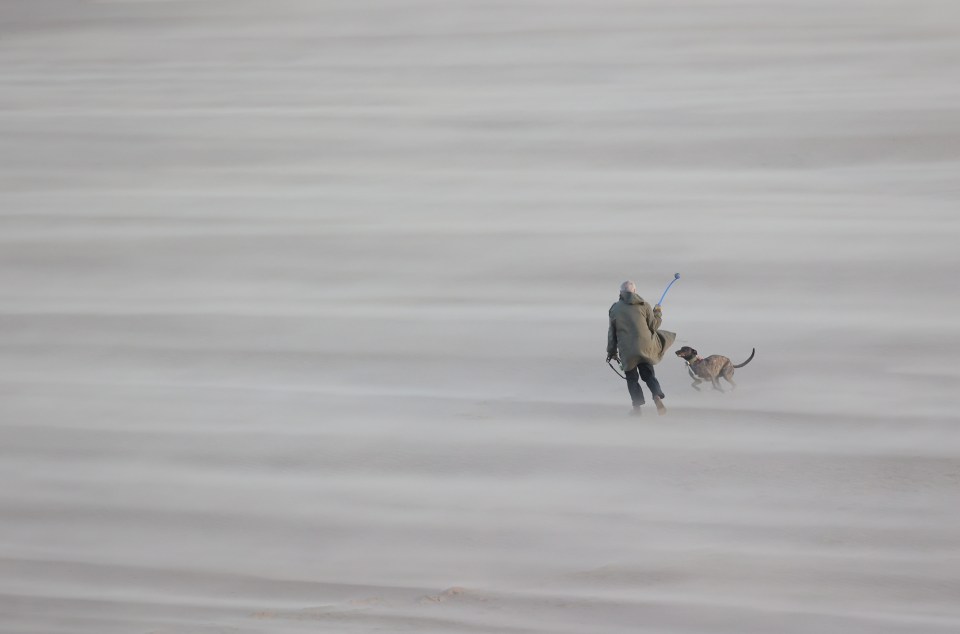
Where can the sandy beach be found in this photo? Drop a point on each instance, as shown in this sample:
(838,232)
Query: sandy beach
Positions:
(303,312)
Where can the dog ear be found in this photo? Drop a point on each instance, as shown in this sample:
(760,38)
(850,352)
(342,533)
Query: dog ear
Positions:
(693,351)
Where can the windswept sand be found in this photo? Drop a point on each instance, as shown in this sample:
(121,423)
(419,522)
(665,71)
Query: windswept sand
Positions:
(303,314)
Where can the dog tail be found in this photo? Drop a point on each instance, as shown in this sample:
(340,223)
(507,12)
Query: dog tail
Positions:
(752,352)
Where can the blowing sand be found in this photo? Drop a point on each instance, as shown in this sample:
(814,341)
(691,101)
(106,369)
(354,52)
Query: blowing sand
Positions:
(303,315)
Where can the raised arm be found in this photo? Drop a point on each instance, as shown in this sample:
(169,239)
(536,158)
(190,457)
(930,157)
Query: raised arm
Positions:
(654,318)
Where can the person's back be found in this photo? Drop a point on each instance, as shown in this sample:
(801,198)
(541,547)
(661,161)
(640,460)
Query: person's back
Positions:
(633,335)
(636,323)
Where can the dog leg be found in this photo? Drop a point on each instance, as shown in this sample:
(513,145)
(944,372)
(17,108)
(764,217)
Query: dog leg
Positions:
(728,376)
(716,385)
(695,383)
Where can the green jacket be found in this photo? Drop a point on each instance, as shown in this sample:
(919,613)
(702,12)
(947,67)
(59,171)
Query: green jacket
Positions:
(633,332)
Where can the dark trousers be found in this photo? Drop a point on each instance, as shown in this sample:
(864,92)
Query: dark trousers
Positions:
(643,371)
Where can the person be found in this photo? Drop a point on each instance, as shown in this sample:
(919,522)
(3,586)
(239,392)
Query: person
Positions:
(635,340)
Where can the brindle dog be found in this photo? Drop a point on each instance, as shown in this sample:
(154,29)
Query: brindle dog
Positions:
(710,369)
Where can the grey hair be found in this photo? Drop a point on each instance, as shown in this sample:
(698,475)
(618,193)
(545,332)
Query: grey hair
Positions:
(628,287)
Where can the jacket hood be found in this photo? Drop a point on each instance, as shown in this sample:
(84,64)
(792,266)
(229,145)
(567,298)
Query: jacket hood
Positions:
(630,298)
